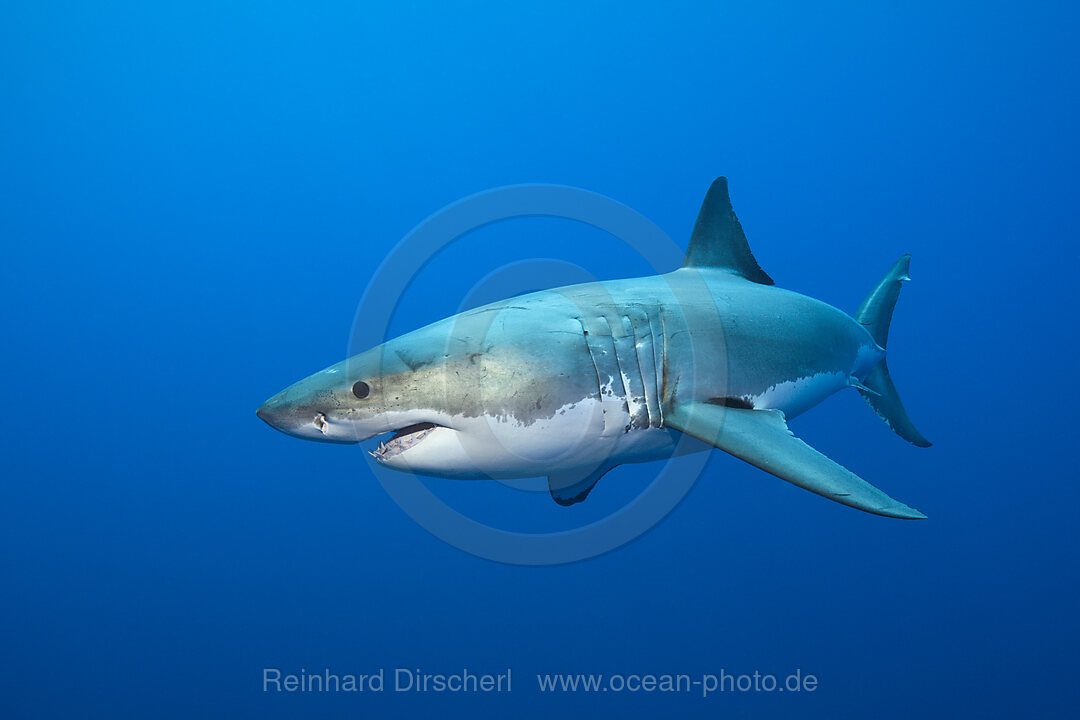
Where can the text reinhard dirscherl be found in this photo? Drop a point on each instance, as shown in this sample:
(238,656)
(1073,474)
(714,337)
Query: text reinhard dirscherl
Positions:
(398,680)
(416,680)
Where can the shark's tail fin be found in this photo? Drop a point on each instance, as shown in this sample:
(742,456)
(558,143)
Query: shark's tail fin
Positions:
(875,314)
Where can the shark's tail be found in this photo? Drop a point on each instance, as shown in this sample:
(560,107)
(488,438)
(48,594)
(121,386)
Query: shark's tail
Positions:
(875,314)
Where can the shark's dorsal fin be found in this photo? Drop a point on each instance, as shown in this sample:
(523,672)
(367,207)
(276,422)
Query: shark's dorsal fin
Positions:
(718,240)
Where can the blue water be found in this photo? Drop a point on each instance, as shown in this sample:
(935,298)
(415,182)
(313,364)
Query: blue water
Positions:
(193,197)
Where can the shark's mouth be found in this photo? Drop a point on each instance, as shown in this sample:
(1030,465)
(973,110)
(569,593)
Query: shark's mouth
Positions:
(403,439)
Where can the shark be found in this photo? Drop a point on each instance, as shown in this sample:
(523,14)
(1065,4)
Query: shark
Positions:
(571,382)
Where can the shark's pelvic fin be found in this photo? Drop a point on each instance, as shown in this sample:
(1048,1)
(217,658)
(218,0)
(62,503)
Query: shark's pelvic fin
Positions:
(762,438)
(875,314)
(860,386)
(572,486)
(718,240)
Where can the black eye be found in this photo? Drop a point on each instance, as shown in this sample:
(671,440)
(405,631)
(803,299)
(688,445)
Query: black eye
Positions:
(361,389)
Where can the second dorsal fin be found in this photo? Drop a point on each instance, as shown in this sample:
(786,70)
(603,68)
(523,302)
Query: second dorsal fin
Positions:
(718,240)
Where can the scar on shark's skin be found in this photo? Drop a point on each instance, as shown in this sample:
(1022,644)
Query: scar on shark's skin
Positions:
(575,381)
(412,363)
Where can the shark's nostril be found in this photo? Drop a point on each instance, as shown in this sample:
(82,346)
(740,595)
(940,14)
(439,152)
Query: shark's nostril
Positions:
(320,423)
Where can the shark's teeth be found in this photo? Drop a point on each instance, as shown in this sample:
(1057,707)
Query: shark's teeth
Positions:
(402,441)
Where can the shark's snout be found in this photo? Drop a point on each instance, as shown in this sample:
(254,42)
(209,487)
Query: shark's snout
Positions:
(302,421)
(278,415)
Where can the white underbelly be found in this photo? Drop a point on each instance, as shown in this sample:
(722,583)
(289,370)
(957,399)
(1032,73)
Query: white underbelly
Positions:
(504,447)
(797,396)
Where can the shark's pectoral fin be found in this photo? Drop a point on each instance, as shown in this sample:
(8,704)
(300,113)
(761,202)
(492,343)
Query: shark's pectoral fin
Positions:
(762,438)
(572,486)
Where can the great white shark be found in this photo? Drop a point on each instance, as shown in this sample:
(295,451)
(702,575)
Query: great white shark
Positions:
(571,382)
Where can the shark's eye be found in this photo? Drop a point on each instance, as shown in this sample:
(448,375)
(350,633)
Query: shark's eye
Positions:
(361,389)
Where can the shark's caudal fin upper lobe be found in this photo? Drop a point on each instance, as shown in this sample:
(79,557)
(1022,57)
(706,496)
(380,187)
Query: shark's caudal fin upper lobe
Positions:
(875,314)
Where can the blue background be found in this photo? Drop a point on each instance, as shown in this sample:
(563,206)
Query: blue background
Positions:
(193,197)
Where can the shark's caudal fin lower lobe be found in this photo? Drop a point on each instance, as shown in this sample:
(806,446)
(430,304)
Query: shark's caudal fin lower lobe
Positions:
(875,314)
